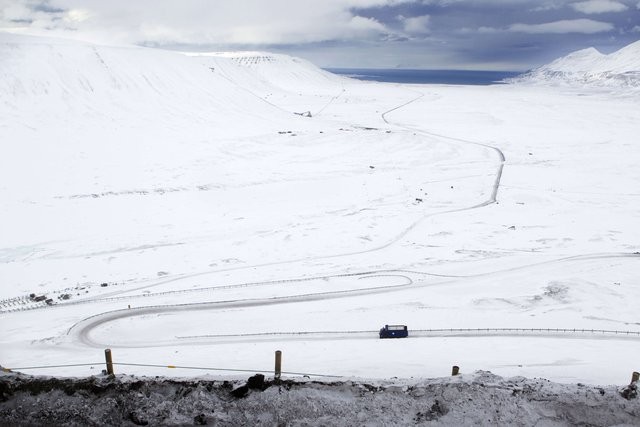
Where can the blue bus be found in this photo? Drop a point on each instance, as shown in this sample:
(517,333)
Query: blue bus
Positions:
(394,331)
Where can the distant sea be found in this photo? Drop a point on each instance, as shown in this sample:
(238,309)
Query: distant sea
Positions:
(449,77)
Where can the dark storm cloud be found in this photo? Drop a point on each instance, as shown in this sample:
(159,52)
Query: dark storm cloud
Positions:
(46,8)
(516,34)
(480,34)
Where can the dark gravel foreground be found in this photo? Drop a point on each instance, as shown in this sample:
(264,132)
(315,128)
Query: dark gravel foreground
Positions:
(477,399)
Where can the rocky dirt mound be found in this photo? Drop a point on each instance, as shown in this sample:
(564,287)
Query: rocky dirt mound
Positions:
(478,399)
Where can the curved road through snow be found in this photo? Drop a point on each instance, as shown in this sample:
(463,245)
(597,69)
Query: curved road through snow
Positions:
(82,331)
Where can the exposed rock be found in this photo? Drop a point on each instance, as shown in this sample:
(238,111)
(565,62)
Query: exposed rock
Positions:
(257,382)
(240,391)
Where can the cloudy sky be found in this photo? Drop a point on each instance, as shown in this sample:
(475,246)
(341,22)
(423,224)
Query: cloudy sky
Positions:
(431,34)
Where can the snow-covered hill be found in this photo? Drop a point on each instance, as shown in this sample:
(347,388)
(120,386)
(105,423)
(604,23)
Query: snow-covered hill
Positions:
(288,82)
(86,85)
(589,66)
(51,79)
(80,119)
(279,70)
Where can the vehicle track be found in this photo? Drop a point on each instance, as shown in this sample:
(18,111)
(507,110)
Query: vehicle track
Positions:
(501,157)
(361,275)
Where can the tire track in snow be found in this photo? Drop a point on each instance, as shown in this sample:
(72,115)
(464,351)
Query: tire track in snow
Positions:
(501,157)
(331,101)
(118,295)
(360,275)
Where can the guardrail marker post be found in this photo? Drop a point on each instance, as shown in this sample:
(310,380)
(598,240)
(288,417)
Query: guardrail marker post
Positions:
(455,371)
(635,377)
(278,372)
(109,360)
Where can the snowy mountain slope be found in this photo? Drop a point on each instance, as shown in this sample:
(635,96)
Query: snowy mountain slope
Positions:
(580,61)
(78,119)
(100,108)
(292,83)
(42,78)
(283,70)
(620,68)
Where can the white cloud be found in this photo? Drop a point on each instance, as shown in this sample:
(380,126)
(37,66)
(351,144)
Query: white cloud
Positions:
(480,30)
(636,29)
(224,22)
(441,2)
(24,13)
(363,25)
(14,12)
(488,30)
(547,6)
(638,5)
(77,15)
(417,24)
(583,26)
(599,6)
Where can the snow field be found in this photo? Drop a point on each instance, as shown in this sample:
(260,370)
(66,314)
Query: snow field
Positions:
(209,208)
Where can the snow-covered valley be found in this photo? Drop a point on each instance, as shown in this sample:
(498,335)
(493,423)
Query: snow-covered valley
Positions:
(182,210)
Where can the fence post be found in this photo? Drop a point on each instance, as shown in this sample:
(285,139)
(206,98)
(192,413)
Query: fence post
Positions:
(635,377)
(455,371)
(278,372)
(109,360)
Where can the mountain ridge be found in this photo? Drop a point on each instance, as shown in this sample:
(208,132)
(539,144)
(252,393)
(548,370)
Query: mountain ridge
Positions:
(590,66)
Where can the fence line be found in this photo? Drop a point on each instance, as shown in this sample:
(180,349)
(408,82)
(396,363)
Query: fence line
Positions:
(200,368)
(420,332)
(563,330)
(72,365)
(33,305)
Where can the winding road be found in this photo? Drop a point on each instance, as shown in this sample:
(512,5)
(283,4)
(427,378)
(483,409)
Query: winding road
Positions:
(81,332)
